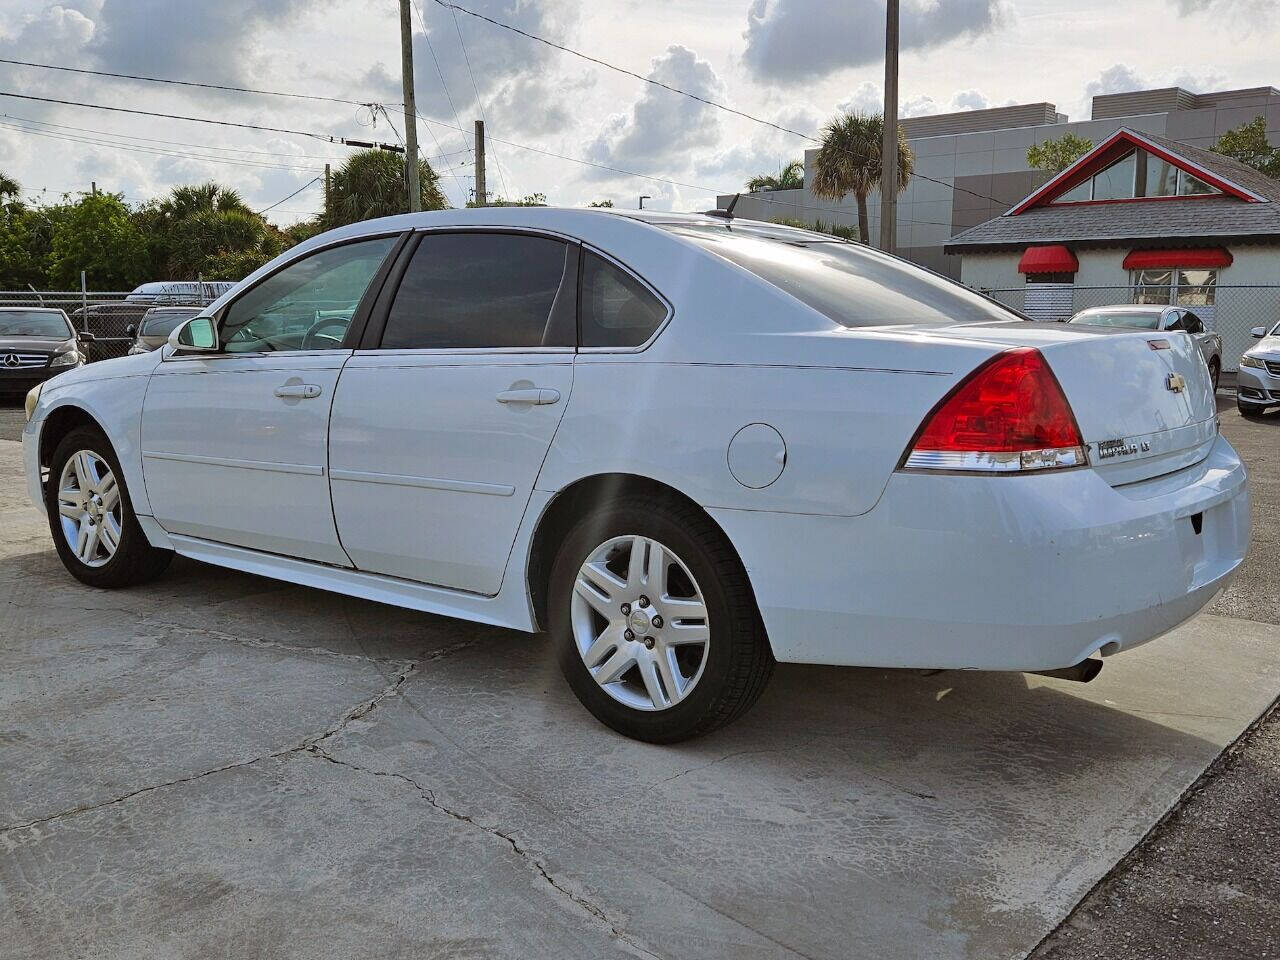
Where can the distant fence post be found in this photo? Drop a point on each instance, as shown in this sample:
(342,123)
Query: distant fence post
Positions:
(84,303)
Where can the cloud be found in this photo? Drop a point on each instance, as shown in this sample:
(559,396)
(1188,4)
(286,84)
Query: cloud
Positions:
(869,98)
(1252,8)
(661,126)
(1118,78)
(794,40)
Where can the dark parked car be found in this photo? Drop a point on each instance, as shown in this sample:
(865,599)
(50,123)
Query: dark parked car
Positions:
(157,323)
(36,343)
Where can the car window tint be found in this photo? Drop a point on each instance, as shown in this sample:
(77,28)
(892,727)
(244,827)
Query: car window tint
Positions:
(849,283)
(1192,323)
(469,290)
(308,305)
(617,310)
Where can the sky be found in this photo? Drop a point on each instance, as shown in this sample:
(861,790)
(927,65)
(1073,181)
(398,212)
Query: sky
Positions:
(793,63)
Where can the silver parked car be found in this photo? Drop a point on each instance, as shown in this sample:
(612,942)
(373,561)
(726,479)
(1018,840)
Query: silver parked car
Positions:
(1153,316)
(156,325)
(1258,382)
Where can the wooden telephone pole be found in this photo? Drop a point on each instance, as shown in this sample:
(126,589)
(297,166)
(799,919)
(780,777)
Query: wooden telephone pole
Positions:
(482,197)
(410,110)
(889,146)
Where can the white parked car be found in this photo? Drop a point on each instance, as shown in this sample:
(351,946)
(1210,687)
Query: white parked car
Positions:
(1258,381)
(686,446)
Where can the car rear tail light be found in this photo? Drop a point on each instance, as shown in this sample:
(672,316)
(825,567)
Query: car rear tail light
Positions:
(1010,415)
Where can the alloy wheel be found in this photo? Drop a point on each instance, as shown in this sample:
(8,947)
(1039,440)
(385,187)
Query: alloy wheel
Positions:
(89,508)
(640,623)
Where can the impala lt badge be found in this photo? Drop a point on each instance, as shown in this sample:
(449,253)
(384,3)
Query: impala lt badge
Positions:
(1175,382)
(1120,447)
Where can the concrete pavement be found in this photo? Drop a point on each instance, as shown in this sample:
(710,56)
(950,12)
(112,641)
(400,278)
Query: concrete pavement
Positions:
(220,764)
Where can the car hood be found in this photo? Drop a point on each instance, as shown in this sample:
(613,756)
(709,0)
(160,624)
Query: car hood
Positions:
(36,344)
(134,365)
(1267,347)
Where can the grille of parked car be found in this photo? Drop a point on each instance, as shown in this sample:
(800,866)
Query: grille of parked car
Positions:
(22,361)
(1273,367)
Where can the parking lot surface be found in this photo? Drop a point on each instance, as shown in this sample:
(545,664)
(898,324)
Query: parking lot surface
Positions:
(222,764)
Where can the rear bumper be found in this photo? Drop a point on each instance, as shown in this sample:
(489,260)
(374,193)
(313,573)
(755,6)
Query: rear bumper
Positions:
(997,573)
(1257,386)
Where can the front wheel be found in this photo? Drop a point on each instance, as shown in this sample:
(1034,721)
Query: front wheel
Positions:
(656,627)
(91,518)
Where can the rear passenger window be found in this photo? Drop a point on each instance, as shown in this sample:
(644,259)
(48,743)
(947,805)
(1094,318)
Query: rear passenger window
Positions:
(617,310)
(465,290)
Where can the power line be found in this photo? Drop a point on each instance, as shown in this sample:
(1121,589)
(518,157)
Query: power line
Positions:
(183,83)
(177,143)
(153,151)
(479,103)
(685,93)
(173,116)
(311,182)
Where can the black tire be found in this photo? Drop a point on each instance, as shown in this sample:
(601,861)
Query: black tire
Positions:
(135,560)
(1249,409)
(1215,372)
(738,660)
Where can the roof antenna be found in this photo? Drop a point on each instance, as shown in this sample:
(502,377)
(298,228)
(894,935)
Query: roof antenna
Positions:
(727,212)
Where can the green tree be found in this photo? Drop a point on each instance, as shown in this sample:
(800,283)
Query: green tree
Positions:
(205,230)
(1248,143)
(1056,155)
(528,200)
(849,162)
(789,177)
(371,184)
(97,235)
(600,203)
(9,188)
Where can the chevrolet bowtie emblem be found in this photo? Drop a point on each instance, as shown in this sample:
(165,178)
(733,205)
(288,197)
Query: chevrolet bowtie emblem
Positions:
(1175,382)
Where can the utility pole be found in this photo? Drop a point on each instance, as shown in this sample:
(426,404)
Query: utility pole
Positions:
(889,147)
(93,187)
(324,219)
(643,198)
(410,111)
(482,196)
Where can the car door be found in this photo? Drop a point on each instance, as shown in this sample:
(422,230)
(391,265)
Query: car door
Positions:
(234,442)
(1206,339)
(442,419)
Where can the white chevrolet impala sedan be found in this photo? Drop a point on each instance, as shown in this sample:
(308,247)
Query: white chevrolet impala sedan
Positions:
(685,446)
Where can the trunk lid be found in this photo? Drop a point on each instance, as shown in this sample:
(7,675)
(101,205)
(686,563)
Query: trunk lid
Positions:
(1143,399)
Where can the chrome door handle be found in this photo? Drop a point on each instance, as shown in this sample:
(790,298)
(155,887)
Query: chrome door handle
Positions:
(303,390)
(532,395)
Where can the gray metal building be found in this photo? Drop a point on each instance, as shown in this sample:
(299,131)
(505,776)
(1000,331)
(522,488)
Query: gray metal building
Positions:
(976,166)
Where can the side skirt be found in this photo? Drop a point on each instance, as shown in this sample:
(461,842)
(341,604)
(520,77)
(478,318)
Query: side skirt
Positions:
(501,610)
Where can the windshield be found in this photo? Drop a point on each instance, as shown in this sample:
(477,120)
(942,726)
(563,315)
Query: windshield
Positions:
(49,324)
(161,323)
(1142,319)
(851,284)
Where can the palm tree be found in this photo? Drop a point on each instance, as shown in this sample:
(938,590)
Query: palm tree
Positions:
(9,187)
(371,184)
(849,162)
(187,201)
(789,177)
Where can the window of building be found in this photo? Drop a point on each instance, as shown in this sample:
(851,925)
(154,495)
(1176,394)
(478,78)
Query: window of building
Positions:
(1138,173)
(471,290)
(1185,288)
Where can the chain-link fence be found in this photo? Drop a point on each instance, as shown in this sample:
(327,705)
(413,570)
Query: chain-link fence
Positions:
(1232,310)
(108,316)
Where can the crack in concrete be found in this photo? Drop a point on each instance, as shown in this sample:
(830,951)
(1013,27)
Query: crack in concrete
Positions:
(362,709)
(596,913)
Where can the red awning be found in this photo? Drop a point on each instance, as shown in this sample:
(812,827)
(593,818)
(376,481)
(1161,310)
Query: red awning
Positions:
(1051,259)
(1200,257)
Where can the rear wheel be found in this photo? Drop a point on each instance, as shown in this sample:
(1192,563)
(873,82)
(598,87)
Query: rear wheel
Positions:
(656,628)
(91,518)
(1215,372)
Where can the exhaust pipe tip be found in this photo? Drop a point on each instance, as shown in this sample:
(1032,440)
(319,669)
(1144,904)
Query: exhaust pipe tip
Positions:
(1082,672)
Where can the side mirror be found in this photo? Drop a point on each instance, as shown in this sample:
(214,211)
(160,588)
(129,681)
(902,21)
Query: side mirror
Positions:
(197,335)
(1258,332)
(131,330)
(85,337)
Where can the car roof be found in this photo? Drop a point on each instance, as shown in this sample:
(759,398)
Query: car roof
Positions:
(1130,308)
(31,309)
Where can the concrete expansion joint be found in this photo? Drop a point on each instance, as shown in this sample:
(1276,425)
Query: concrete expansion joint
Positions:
(595,913)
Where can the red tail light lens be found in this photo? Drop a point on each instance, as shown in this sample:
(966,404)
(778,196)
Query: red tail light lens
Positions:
(1008,415)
